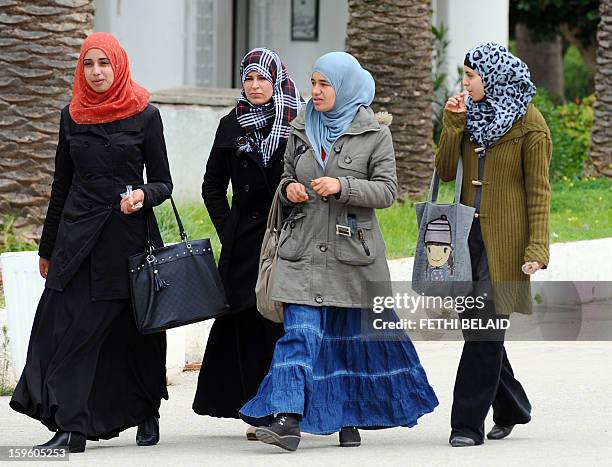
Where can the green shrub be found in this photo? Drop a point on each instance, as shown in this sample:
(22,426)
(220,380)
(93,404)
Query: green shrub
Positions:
(570,127)
(11,240)
(576,75)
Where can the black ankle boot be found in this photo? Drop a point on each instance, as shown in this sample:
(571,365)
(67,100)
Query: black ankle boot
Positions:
(73,441)
(462,442)
(284,432)
(499,432)
(350,437)
(148,432)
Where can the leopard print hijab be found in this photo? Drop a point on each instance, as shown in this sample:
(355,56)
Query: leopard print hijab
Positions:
(508,91)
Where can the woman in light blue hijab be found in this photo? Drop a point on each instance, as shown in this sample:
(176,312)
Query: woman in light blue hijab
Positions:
(354,88)
(332,371)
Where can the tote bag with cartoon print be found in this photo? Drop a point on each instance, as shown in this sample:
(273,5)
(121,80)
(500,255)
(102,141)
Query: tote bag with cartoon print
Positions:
(442,265)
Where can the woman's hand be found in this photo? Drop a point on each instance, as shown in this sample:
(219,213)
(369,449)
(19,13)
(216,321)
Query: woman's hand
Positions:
(326,186)
(532,267)
(296,192)
(133,203)
(43,267)
(456,103)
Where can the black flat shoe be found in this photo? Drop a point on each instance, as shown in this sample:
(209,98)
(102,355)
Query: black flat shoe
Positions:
(73,441)
(148,432)
(462,442)
(499,432)
(349,437)
(283,432)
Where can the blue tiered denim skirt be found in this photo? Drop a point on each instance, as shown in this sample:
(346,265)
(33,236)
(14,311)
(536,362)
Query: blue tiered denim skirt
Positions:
(326,371)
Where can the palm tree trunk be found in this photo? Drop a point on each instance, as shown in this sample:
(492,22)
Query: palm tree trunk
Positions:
(40,41)
(392,39)
(600,162)
(545,60)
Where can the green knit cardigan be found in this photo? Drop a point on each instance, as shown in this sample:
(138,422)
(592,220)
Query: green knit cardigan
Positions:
(515,200)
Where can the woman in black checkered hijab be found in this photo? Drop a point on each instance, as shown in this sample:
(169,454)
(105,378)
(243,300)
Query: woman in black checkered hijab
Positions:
(268,102)
(248,151)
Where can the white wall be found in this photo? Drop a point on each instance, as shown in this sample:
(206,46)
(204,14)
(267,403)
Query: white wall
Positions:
(189,131)
(471,22)
(274,31)
(152,32)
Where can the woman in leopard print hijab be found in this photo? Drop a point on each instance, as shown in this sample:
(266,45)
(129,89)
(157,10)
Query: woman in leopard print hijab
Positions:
(508,90)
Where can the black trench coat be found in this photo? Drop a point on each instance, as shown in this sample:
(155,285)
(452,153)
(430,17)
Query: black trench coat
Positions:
(240,346)
(241,227)
(93,165)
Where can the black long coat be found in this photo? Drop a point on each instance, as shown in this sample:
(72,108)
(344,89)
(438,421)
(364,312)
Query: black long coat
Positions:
(93,165)
(240,227)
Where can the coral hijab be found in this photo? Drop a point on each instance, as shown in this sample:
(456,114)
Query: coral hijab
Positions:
(123,99)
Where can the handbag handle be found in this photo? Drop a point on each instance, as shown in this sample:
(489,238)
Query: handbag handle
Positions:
(182,233)
(275,217)
(435,182)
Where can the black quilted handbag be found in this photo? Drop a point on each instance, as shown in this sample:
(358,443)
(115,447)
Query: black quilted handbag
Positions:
(175,285)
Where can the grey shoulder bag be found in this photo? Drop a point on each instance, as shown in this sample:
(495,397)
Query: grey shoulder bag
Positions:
(442,265)
(268,258)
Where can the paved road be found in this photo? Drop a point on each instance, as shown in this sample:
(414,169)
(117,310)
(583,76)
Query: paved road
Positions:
(568,383)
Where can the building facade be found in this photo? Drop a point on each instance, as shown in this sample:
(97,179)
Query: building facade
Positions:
(201,42)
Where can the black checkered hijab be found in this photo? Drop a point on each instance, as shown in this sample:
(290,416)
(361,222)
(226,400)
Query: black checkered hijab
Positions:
(278,113)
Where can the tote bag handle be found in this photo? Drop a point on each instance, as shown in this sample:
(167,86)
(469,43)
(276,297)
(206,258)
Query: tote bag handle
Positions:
(435,183)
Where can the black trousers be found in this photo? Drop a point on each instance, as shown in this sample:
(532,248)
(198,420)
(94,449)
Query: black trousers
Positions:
(485,378)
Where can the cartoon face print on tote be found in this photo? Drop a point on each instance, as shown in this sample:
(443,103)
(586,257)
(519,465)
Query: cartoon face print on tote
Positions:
(438,244)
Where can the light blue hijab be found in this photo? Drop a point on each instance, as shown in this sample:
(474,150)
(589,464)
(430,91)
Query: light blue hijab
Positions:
(354,88)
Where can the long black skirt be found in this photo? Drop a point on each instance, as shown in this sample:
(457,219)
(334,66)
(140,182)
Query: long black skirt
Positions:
(88,369)
(237,358)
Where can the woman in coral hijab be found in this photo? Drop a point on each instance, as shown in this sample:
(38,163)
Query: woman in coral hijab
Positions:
(89,374)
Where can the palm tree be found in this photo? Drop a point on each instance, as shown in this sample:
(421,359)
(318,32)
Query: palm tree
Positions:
(392,39)
(601,147)
(40,42)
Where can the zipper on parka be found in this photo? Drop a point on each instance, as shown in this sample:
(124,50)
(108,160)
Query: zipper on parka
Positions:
(363,241)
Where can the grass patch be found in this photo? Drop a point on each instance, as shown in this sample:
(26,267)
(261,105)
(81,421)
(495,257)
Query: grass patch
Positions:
(195,219)
(580,210)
